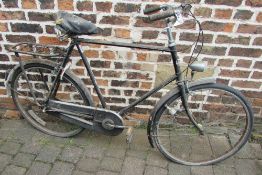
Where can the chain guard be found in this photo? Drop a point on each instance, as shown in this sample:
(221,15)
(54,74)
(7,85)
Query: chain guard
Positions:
(104,117)
(100,117)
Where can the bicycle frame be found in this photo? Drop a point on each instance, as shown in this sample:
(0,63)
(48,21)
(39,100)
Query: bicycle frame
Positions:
(171,48)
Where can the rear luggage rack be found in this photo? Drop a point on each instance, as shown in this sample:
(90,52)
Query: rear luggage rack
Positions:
(37,50)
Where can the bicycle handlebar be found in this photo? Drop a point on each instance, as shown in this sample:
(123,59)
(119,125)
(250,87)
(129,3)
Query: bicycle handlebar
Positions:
(162,15)
(152,9)
(165,14)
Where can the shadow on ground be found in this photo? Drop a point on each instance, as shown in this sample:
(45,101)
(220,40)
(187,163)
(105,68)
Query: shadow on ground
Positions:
(24,150)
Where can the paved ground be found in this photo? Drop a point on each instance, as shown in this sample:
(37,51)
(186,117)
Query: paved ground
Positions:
(24,150)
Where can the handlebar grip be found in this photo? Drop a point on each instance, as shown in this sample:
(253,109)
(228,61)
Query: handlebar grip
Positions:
(162,15)
(152,9)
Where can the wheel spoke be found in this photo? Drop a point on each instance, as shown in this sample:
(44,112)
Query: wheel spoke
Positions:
(222,115)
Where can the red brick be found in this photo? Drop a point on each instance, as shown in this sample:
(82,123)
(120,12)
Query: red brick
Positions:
(3,27)
(187,25)
(146,85)
(224,2)
(203,12)
(24,27)
(127,8)
(193,37)
(233,40)
(257,75)
(100,64)
(12,114)
(114,92)
(101,82)
(115,20)
(243,14)
(213,50)
(46,4)
(136,75)
(150,34)
(223,13)
(245,52)
(36,16)
(65,5)
(251,29)
(258,65)
(246,84)
(104,6)
(110,73)
(258,41)
(91,53)
(254,3)
(3,57)
(164,58)
(225,62)
(9,15)
(29,4)
(79,71)
(107,54)
(234,73)
(20,38)
(259,17)
(252,94)
(2,91)
(257,102)
(118,83)
(141,56)
(143,22)
(140,116)
(217,26)
(122,33)
(10,3)
(50,40)
(84,5)
(244,63)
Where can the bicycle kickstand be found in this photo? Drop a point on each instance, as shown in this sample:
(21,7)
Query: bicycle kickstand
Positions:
(129,135)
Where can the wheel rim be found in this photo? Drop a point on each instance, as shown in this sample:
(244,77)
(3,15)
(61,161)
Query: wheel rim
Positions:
(186,146)
(54,125)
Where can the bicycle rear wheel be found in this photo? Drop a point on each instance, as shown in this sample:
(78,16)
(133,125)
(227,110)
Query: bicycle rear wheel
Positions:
(41,76)
(224,114)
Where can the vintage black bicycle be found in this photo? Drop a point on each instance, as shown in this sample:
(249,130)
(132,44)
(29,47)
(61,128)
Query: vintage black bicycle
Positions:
(196,123)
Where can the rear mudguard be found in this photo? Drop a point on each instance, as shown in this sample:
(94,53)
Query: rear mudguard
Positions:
(165,98)
(9,77)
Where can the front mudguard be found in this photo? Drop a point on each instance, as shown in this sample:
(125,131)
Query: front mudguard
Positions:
(165,98)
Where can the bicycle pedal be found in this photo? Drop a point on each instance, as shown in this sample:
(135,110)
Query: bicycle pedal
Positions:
(129,135)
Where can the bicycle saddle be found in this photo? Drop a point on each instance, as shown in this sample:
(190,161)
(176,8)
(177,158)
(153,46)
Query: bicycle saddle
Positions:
(74,25)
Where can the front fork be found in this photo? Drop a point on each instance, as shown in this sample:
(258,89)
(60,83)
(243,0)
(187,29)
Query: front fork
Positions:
(183,88)
(181,84)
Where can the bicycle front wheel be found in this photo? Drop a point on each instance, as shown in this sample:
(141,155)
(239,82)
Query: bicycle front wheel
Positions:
(221,111)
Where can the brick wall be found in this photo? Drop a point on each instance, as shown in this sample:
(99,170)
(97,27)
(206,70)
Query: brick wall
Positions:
(233,39)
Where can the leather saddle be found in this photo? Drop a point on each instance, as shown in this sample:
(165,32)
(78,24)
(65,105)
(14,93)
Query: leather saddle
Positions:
(74,25)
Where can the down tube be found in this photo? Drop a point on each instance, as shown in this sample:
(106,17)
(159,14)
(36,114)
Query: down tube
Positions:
(148,94)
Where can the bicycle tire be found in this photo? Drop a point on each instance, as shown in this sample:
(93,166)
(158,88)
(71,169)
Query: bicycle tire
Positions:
(194,154)
(49,67)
